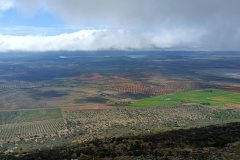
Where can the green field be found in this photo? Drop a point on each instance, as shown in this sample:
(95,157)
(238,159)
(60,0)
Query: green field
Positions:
(211,97)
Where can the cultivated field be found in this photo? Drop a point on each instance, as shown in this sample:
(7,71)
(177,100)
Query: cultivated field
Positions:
(146,120)
(17,131)
(26,124)
(163,86)
(210,97)
(65,126)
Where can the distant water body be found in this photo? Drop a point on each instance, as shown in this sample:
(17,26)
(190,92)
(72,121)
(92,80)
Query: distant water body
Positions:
(130,56)
(68,57)
(137,56)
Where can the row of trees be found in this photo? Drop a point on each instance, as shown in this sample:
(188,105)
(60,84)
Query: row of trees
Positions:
(29,129)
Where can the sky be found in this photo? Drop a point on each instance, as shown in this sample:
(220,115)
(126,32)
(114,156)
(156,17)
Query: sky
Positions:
(72,25)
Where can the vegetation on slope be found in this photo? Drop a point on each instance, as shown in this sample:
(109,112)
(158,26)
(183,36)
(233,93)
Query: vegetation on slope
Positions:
(212,142)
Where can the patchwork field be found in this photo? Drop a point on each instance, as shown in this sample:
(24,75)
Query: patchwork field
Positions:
(35,129)
(210,97)
(108,78)
(88,89)
(61,99)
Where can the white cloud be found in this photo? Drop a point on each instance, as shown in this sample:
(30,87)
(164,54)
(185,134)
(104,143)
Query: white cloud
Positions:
(5,5)
(99,40)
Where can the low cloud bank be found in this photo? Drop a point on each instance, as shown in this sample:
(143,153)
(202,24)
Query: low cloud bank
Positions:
(100,40)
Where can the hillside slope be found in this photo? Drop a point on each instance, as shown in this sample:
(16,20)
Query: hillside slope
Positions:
(212,142)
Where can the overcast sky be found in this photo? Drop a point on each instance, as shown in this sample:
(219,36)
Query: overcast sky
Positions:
(52,25)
